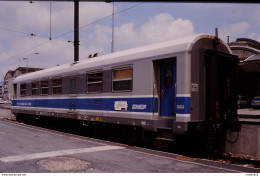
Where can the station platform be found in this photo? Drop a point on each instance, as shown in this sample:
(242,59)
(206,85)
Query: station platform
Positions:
(28,149)
(249,115)
(247,142)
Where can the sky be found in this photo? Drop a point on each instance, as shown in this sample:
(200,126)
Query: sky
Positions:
(135,24)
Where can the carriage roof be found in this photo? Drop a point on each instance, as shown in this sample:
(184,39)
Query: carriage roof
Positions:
(181,45)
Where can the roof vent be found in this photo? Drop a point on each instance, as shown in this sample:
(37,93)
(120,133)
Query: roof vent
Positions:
(73,63)
(95,55)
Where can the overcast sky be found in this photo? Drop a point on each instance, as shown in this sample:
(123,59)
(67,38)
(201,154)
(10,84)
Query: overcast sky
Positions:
(136,24)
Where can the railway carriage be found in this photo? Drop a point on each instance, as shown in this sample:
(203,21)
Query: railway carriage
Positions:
(176,85)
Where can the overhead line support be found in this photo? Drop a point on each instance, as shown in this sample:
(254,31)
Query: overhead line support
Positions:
(76,30)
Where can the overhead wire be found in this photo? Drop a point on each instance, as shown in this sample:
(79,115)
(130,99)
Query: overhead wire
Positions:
(87,25)
(26,51)
(21,32)
(59,36)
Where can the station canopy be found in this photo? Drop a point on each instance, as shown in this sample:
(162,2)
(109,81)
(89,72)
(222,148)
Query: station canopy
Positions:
(251,64)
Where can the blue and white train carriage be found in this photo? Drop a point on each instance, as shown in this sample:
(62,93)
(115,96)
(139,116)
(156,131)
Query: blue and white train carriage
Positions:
(177,85)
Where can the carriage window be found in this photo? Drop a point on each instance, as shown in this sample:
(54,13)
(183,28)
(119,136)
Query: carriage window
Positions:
(94,82)
(45,87)
(34,88)
(57,86)
(73,86)
(168,76)
(122,79)
(23,90)
(15,90)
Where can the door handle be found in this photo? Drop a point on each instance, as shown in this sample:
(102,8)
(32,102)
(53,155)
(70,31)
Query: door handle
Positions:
(162,93)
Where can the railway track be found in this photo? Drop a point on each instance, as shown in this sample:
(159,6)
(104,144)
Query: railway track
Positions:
(239,159)
(110,135)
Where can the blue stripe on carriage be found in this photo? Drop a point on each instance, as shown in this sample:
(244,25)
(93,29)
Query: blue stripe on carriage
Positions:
(182,105)
(104,104)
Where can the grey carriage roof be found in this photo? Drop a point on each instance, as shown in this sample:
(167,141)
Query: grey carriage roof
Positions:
(180,45)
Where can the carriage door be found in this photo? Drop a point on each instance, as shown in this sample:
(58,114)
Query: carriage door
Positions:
(167,94)
(221,99)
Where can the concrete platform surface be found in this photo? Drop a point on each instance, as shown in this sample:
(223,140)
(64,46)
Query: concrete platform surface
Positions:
(249,115)
(26,149)
(249,111)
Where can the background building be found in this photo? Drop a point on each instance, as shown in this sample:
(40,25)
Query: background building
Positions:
(1,90)
(8,90)
(244,48)
(248,52)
